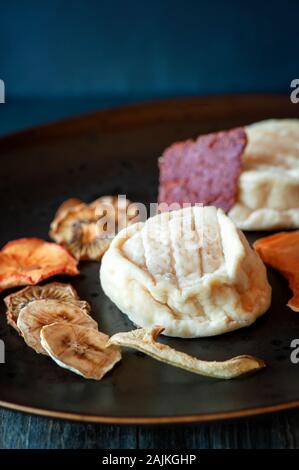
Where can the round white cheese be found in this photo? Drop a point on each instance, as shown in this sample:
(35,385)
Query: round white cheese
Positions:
(191,271)
(268,193)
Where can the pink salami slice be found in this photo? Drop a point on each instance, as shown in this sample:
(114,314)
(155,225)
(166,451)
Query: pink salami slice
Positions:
(205,170)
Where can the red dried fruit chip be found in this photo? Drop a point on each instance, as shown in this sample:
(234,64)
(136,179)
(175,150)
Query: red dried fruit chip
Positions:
(28,261)
(203,171)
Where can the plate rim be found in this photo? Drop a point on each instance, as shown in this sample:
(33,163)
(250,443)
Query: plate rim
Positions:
(133,420)
(65,124)
(171,103)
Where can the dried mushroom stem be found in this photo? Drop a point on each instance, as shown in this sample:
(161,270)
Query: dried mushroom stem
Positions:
(144,340)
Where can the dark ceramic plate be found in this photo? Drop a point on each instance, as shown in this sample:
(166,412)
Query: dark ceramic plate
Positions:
(112,152)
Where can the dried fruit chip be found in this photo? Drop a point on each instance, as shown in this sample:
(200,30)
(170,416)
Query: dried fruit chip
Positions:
(28,261)
(79,349)
(281,251)
(52,291)
(86,230)
(203,171)
(144,340)
(44,312)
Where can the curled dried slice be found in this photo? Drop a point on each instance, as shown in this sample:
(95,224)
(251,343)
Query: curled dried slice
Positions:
(54,290)
(46,311)
(79,349)
(28,261)
(144,340)
(86,230)
(281,252)
(68,204)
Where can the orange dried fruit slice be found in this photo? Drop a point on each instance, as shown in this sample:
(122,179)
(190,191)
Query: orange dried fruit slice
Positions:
(28,261)
(82,350)
(86,230)
(281,252)
(59,292)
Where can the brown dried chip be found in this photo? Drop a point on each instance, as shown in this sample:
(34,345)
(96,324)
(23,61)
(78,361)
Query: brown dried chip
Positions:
(203,171)
(79,349)
(28,261)
(61,293)
(86,230)
(32,308)
(144,340)
(68,204)
(40,313)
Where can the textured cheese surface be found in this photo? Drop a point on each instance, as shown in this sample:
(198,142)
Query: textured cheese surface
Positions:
(268,196)
(190,271)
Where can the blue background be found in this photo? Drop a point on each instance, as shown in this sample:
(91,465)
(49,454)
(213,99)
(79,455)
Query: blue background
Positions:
(147,48)
(60,57)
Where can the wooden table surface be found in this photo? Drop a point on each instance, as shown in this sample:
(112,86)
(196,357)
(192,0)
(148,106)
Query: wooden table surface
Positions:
(277,431)
(19,430)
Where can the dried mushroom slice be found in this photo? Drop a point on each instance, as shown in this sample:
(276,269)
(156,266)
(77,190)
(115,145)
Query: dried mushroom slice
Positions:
(54,290)
(86,230)
(43,312)
(68,204)
(144,340)
(28,261)
(79,349)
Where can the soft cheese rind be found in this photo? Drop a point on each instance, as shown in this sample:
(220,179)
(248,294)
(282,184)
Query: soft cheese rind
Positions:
(268,192)
(199,282)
